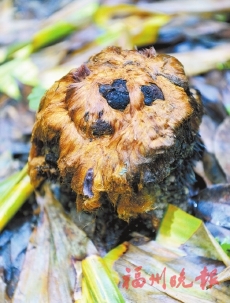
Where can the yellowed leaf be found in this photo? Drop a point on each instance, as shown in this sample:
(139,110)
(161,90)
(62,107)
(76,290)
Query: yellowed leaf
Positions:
(142,26)
(199,61)
(182,265)
(179,229)
(112,256)
(154,260)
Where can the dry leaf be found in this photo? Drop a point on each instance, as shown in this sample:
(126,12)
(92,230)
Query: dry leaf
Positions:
(142,26)
(212,169)
(48,274)
(222,146)
(195,239)
(154,259)
(203,60)
(207,131)
(224,275)
(213,205)
(178,7)
(3,296)
(179,268)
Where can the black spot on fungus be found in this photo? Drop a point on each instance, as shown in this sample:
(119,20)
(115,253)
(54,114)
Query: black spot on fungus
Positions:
(151,93)
(100,128)
(116,94)
(51,158)
(176,80)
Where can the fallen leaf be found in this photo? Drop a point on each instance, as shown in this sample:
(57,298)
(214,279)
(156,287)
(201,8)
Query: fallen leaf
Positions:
(22,70)
(203,60)
(170,231)
(199,170)
(15,196)
(213,205)
(212,169)
(222,146)
(207,131)
(171,269)
(48,274)
(222,236)
(71,12)
(141,25)
(112,256)
(35,97)
(51,34)
(224,275)
(99,281)
(195,6)
(3,297)
(159,266)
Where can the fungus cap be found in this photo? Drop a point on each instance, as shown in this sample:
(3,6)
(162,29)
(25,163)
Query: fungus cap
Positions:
(115,125)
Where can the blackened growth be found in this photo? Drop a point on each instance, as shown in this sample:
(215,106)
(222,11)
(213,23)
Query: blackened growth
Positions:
(151,93)
(100,128)
(51,159)
(116,94)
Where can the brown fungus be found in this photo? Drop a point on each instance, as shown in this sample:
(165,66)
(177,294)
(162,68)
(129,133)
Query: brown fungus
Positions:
(127,131)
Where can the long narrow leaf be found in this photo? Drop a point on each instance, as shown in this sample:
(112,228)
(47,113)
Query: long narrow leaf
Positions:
(14,199)
(100,282)
(7,185)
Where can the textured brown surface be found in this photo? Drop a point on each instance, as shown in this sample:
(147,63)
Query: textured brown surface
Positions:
(127,154)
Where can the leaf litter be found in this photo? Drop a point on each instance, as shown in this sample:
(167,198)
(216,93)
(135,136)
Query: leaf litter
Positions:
(160,263)
(48,274)
(216,100)
(222,146)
